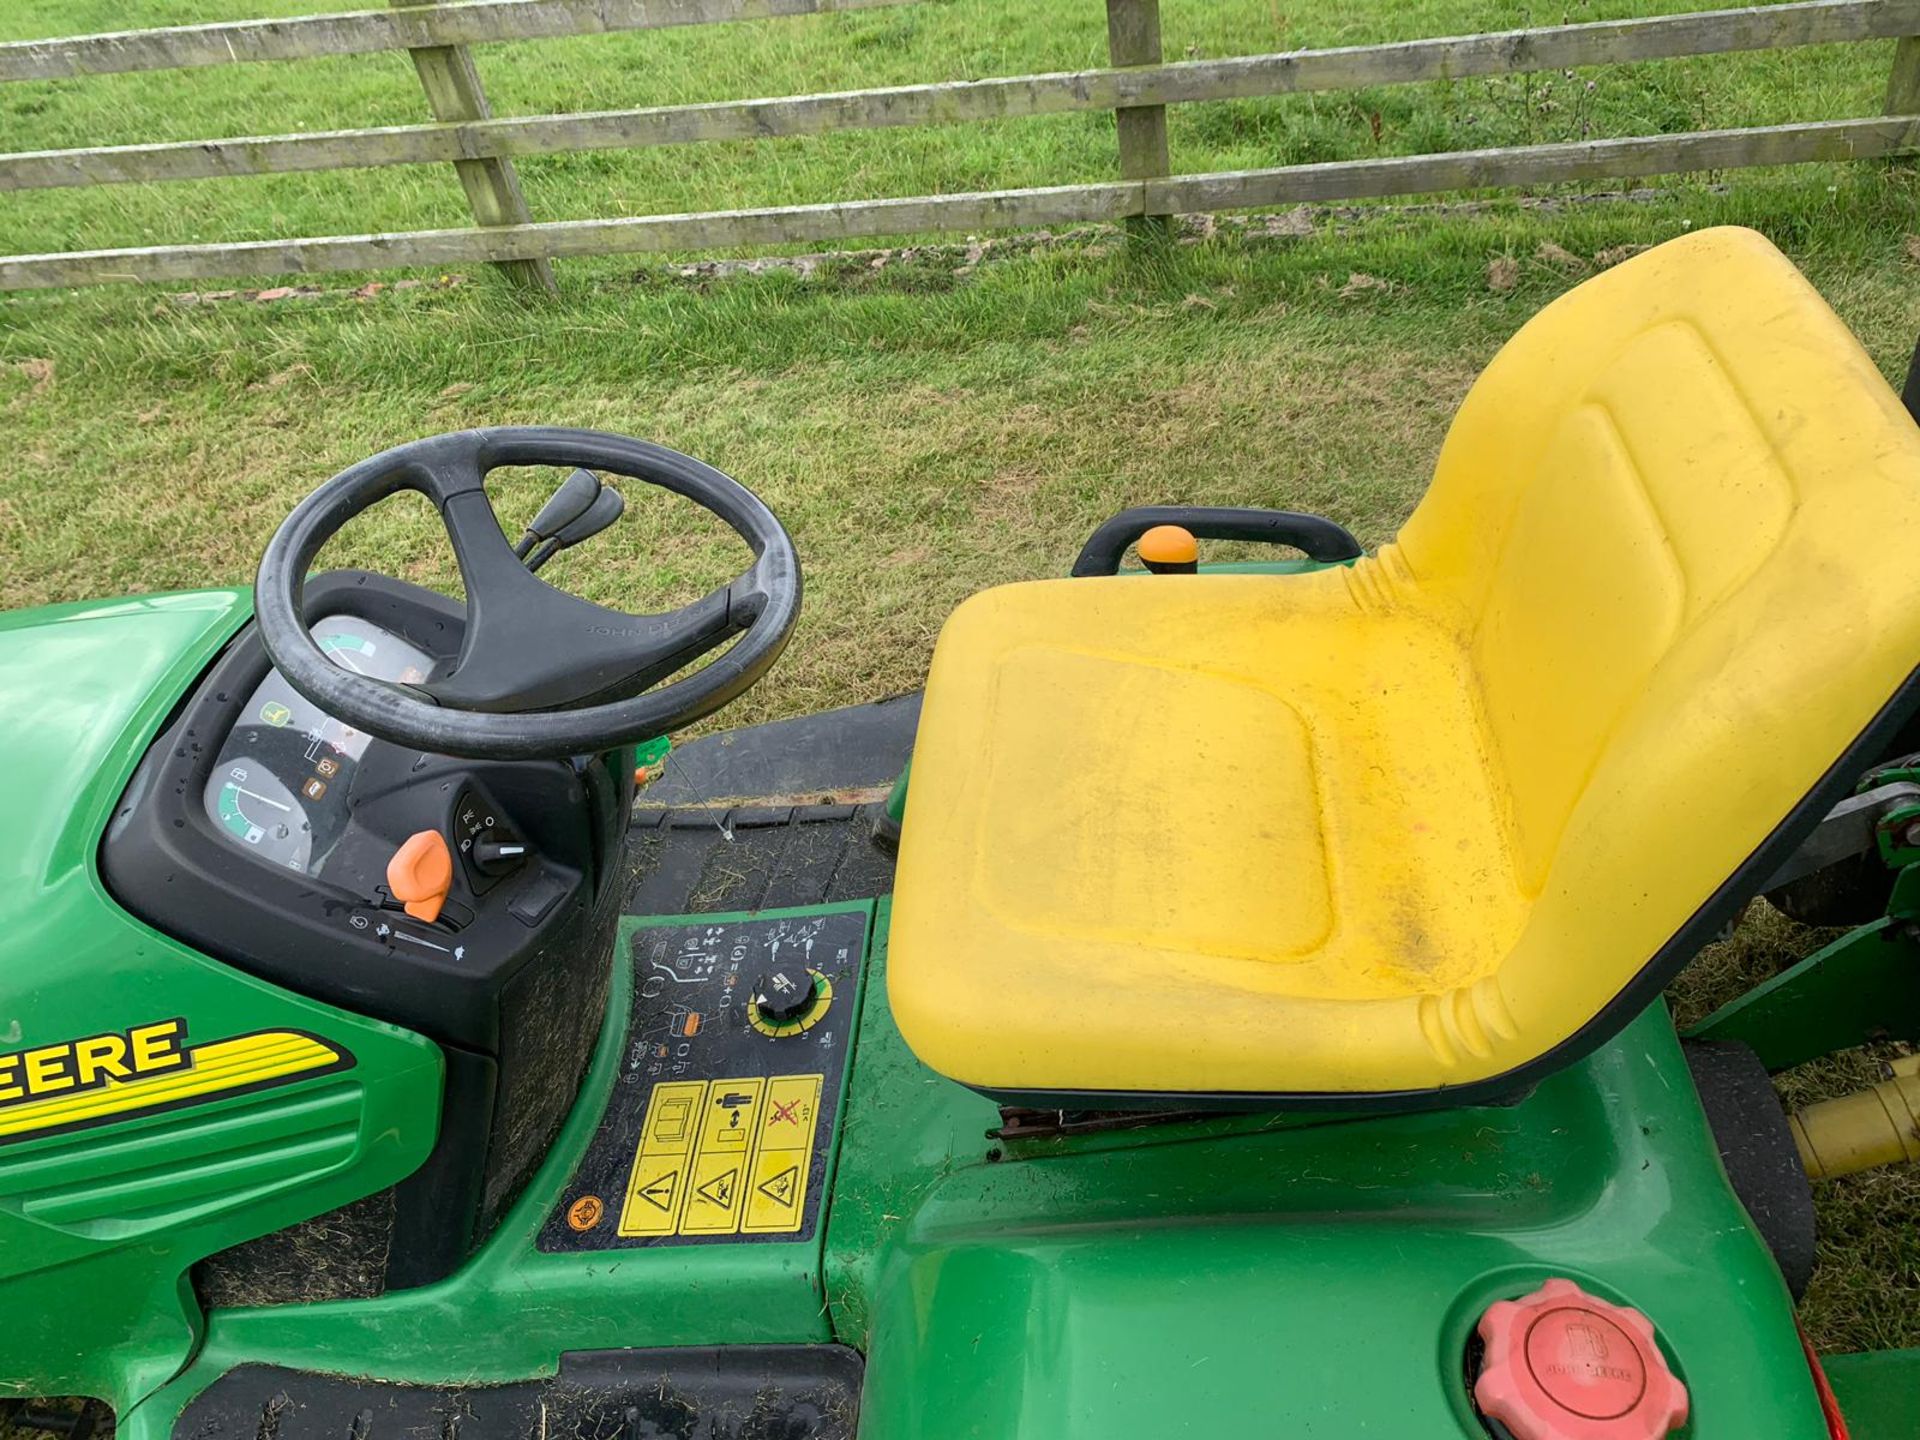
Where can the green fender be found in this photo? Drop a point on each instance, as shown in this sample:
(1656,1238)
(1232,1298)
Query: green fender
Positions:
(111,1188)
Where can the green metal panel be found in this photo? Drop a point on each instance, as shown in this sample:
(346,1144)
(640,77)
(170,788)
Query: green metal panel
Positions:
(1324,1277)
(98,1225)
(1149,1283)
(1879,1393)
(1864,986)
(896,807)
(510,1312)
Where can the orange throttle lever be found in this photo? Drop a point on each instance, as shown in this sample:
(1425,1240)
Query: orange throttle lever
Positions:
(421,873)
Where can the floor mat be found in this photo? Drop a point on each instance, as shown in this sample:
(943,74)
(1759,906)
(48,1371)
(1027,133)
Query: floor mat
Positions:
(702,860)
(741,1392)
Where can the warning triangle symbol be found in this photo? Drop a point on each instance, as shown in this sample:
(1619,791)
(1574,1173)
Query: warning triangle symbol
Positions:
(780,1187)
(660,1192)
(719,1190)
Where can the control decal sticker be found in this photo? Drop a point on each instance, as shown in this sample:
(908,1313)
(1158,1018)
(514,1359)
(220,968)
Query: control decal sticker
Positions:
(723,1157)
(114,1074)
(720,1126)
(784,1154)
(660,1167)
(727,1140)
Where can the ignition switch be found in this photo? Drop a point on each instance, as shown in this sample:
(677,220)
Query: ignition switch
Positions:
(489,845)
(497,853)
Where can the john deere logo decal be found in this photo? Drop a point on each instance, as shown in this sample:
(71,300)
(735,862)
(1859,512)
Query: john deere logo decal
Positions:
(118,1073)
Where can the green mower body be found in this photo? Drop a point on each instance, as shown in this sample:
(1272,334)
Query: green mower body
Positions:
(1171,1276)
(104,1210)
(382,1058)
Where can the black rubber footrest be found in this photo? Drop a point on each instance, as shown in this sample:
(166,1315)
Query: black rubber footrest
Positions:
(700,861)
(736,1392)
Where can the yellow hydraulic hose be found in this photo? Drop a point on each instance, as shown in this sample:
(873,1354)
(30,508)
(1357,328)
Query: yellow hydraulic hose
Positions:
(1878,1126)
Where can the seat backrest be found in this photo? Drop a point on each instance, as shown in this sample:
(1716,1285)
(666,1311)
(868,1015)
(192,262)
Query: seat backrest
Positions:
(1677,521)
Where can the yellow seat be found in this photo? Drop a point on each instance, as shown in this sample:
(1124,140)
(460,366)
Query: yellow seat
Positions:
(1454,813)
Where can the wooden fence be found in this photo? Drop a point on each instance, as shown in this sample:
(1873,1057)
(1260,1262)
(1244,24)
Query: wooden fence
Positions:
(1137,88)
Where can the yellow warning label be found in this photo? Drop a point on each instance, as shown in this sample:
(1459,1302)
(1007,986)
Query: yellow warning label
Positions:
(784,1157)
(727,1125)
(723,1156)
(667,1136)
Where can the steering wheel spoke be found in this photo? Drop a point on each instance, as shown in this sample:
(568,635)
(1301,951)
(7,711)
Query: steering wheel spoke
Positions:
(540,672)
(530,647)
(480,547)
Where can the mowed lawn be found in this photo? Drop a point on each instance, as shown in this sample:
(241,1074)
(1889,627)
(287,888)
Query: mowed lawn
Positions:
(924,425)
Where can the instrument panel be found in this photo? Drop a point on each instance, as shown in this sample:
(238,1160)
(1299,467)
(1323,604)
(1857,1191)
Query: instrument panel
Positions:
(281,784)
(508,977)
(247,770)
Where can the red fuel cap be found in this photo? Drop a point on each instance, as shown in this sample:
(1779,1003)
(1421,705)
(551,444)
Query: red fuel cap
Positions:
(1565,1365)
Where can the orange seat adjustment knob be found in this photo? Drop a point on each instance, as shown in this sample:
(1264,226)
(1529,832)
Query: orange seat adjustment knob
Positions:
(421,873)
(1170,550)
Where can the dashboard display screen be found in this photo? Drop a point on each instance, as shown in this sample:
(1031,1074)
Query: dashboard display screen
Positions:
(280,785)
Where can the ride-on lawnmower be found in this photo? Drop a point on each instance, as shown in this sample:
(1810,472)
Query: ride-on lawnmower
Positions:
(1227,1002)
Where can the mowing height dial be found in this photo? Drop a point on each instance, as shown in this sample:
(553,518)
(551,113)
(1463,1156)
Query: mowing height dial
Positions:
(788,999)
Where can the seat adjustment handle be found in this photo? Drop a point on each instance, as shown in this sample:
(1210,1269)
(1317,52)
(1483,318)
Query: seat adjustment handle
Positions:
(1319,539)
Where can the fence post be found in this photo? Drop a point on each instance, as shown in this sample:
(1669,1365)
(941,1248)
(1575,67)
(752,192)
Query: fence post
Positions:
(1903,86)
(1133,38)
(454,93)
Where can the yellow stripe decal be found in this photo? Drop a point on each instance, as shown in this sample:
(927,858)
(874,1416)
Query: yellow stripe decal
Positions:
(241,1062)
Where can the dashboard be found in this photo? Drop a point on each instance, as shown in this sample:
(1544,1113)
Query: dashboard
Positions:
(281,781)
(259,829)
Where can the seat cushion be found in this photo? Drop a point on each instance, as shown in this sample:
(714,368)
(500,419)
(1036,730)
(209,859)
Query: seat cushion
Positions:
(1195,834)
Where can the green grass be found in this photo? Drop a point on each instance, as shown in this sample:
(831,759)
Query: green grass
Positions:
(923,427)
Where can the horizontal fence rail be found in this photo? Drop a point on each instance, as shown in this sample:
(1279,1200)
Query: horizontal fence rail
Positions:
(1136,87)
(413,27)
(1714,32)
(1009,209)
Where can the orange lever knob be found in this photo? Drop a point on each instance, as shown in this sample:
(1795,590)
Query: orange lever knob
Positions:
(1169,550)
(421,873)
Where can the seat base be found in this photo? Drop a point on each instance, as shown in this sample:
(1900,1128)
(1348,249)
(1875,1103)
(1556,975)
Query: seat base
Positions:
(1264,805)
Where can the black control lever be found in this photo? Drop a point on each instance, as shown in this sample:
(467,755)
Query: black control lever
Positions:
(1910,392)
(571,501)
(608,506)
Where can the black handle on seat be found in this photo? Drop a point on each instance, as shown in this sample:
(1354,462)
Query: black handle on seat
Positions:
(1910,392)
(1317,538)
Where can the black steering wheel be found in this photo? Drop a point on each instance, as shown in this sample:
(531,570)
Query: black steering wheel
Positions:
(540,673)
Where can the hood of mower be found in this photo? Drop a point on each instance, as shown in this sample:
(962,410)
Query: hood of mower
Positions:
(83,690)
(140,1129)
